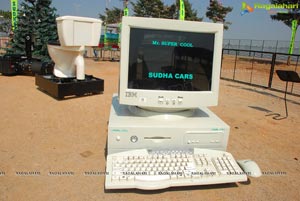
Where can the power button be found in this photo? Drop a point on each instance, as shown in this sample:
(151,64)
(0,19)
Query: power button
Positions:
(134,139)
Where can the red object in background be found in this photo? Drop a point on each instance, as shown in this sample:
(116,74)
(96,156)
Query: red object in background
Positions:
(115,46)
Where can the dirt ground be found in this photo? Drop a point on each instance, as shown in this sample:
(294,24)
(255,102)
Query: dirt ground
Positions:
(48,147)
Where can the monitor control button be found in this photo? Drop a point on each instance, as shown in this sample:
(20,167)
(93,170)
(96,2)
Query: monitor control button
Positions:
(160,100)
(180,100)
(167,101)
(143,99)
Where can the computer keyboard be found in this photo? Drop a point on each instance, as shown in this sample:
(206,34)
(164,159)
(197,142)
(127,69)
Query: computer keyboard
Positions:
(158,169)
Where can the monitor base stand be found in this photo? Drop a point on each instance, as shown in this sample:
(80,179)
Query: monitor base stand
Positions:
(162,114)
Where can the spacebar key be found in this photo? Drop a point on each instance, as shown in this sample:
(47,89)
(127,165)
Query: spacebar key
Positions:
(152,177)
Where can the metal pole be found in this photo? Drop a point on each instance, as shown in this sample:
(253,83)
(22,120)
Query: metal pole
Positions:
(286,109)
(272,70)
(276,46)
(235,65)
(252,66)
(292,88)
(250,47)
(262,49)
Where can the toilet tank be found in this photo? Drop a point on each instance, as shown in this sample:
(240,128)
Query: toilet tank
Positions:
(78,31)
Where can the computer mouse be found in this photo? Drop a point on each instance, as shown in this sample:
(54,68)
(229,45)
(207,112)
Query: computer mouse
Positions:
(250,167)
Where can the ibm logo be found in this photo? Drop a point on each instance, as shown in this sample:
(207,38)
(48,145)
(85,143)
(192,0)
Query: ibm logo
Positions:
(131,94)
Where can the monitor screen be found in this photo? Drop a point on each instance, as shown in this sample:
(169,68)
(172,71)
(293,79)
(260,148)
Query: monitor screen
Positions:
(169,64)
(170,60)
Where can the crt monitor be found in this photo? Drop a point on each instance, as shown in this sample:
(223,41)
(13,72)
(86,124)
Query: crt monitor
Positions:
(169,64)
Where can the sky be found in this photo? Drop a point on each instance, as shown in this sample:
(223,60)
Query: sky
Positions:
(256,25)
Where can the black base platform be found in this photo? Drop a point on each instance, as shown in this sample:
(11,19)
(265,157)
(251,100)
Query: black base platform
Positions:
(61,87)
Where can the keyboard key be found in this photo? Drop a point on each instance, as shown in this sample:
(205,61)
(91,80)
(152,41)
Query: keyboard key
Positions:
(152,177)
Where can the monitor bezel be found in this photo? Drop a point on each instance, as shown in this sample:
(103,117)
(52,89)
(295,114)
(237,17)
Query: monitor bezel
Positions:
(150,98)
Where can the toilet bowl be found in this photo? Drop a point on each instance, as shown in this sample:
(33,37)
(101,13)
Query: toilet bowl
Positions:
(69,61)
(75,33)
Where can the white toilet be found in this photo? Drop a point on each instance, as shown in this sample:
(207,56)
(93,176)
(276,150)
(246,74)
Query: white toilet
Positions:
(74,34)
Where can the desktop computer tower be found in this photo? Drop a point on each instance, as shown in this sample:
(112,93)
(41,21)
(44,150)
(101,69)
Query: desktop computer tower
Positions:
(127,131)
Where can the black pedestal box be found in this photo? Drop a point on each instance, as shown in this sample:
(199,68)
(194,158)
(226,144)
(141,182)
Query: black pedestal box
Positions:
(61,87)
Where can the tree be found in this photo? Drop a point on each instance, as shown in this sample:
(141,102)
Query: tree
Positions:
(5,14)
(145,8)
(112,16)
(5,21)
(190,14)
(171,11)
(36,18)
(24,27)
(217,13)
(45,28)
(292,14)
(156,8)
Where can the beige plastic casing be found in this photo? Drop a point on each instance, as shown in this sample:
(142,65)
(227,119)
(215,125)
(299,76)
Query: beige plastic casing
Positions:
(78,31)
